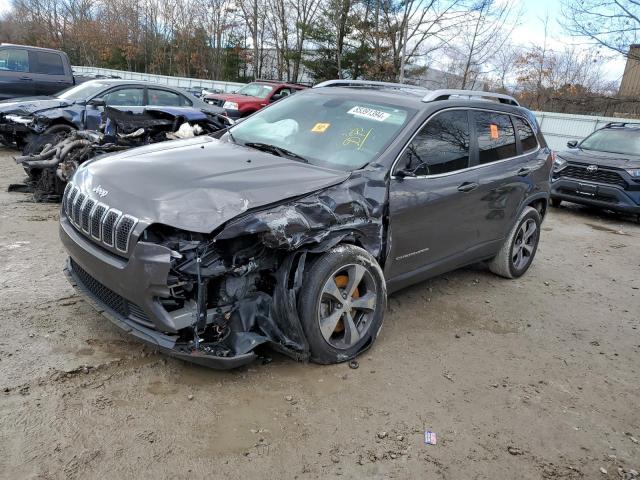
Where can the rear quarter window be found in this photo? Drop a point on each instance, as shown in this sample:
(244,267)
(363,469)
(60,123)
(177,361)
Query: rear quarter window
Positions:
(527,138)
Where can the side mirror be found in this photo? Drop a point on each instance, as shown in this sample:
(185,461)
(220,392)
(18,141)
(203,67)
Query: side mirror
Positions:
(403,173)
(97,102)
(572,143)
(275,98)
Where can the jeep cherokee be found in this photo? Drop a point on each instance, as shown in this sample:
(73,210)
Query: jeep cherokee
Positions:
(291,228)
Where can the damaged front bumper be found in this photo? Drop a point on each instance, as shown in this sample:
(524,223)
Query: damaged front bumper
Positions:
(126,295)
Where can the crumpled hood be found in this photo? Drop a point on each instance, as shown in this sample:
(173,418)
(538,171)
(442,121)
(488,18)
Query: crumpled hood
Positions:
(200,183)
(30,105)
(604,159)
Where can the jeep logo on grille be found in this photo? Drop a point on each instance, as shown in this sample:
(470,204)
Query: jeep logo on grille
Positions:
(590,169)
(101,192)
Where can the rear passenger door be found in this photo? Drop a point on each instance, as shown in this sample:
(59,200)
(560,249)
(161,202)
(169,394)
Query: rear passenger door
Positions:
(503,165)
(433,200)
(48,70)
(166,98)
(16,80)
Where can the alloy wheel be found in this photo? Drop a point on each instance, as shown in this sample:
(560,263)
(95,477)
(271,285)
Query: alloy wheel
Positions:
(346,306)
(524,244)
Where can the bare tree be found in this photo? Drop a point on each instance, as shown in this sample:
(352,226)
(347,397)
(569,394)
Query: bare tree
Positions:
(613,24)
(490,26)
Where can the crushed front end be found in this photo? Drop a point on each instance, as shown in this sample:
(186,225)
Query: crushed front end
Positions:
(212,298)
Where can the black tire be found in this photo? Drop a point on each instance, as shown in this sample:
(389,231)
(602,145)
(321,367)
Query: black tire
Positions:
(555,202)
(316,303)
(53,135)
(508,263)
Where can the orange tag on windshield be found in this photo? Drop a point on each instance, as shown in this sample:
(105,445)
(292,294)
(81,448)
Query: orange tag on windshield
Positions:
(320,127)
(494,131)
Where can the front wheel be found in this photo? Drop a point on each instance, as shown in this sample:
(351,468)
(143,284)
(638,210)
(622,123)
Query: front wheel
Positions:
(342,304)
(517,252)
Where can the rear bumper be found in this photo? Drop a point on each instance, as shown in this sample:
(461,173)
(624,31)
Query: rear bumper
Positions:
(596,195)
(126,294)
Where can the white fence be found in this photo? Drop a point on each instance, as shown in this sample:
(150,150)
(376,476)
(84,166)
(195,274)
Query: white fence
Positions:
(559,128)
(161,79)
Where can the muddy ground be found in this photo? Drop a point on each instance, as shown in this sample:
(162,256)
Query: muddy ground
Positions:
(523,379)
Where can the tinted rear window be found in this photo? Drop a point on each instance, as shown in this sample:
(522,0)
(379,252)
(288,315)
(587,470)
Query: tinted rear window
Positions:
(496,138)
(528,139)
(48,63)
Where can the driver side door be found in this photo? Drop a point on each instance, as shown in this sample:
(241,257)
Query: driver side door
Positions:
(130,99)
(433,201)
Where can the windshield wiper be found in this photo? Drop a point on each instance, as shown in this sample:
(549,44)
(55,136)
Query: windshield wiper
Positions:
(279,151)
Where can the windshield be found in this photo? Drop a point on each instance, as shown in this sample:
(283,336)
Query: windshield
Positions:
(81,92)
(625,141)
(327,131)
(256,90)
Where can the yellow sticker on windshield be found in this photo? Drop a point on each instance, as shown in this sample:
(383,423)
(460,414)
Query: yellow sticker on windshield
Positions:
(320,127)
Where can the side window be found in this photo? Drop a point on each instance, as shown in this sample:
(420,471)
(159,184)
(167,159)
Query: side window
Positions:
(125,97)
(48,63)
(528,139)
(14,60)
(441,146)
(496,137)
(164,98)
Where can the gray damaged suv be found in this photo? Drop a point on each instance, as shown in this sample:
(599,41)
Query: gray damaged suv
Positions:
(290,229)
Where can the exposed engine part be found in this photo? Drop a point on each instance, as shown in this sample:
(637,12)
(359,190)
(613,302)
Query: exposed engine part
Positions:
(59,157)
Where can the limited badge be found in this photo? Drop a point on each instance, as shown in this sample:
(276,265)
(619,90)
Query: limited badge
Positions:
(320,127)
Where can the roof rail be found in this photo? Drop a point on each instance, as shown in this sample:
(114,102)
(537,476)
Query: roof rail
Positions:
(401,87)
(445,94)
(366,83)
(622,124)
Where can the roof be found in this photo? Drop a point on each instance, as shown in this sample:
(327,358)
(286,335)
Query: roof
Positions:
(414,92)
(41,49)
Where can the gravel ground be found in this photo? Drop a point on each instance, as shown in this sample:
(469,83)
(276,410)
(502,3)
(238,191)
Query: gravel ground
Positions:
(531,378)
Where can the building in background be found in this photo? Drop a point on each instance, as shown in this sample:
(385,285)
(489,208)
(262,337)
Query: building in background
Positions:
(630,84)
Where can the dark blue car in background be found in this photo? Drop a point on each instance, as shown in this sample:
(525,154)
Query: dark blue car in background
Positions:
(81,108)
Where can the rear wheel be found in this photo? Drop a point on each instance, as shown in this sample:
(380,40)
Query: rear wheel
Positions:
(342,304)
(519,249)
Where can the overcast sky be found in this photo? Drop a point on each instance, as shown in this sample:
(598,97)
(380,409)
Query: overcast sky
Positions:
(531,31)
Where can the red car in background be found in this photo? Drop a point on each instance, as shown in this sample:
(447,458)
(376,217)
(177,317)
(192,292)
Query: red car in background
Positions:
(253,96)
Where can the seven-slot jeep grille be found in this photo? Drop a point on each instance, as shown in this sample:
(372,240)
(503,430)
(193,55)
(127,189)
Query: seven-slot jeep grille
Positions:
(95,219)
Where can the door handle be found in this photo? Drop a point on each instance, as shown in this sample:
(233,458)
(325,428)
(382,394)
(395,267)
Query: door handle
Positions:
(26,78)
(468,186)
(524,171)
